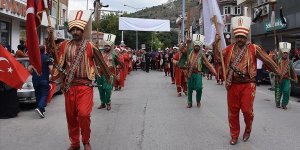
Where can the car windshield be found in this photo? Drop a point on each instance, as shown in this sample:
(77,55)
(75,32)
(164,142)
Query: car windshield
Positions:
(25,62)
(297,65)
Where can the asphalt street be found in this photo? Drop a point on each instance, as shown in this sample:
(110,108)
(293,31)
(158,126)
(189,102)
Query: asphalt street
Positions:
(148,115)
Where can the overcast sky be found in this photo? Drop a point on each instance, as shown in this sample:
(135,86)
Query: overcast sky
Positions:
(117,5)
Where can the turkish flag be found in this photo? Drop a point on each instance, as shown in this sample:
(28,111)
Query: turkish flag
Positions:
(12,72)
(33,20)
(52,87)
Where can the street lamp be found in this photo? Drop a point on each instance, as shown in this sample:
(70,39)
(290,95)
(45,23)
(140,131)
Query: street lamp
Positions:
(136,9)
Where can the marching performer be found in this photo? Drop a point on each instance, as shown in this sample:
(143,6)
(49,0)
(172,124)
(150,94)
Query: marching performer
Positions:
(283,85)
(119,80)
(218,64)
(195,69)
(78,60)
(180,79)
(112,60)
(240,64)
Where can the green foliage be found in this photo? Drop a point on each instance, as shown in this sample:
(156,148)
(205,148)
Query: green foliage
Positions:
(157,42)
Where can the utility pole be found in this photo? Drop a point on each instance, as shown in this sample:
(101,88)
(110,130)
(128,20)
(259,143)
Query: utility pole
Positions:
(87,4)
(182,23)
(97,7)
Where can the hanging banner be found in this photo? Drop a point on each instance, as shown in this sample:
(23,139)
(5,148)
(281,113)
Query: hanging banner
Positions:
(139,24)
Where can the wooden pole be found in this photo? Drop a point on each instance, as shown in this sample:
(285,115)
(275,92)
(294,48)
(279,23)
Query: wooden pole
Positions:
(188,36)
(274,28)
(47,12)
(219,46)
(276,51)
(97,3)
(50,41)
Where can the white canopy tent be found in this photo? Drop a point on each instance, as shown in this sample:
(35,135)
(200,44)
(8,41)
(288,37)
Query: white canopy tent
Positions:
(140,24)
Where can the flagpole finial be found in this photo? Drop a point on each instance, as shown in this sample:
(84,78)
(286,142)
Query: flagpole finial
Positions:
(272,1)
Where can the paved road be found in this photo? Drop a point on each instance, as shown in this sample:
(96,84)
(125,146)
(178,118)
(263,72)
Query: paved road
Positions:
(148,115)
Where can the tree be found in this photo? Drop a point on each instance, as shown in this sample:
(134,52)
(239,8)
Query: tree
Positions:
(110,24)
(168,38)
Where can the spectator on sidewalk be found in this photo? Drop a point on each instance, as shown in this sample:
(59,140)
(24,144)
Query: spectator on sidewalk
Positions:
(259,71)
(9,105)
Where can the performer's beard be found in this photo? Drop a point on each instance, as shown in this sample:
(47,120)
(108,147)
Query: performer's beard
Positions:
(76,37)
(285,56)
(241,43)
(197,49)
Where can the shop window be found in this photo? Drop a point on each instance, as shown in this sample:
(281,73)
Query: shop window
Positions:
(4,33)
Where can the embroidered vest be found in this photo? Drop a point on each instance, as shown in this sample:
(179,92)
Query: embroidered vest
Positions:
(87,61)
(199,61)
(250,57)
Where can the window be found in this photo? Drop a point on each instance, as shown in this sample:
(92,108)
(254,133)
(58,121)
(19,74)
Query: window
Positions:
(297,66)
(63,17)
(22,32)
(226,10)
(260,2)
(237,10)
(227,28)
(4,33)
(53,9)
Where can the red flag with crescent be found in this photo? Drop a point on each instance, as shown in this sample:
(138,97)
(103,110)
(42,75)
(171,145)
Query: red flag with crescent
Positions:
(33,20)
(52,87)
(12,72)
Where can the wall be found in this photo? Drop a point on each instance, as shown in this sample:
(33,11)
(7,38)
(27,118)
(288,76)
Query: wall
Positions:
(292,13)
(290,10)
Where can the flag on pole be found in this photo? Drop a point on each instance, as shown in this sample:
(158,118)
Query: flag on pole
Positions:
(12,72)
(283,20)
(211,9)
(33,20)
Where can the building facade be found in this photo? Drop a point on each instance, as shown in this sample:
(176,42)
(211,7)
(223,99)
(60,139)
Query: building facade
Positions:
(13,20)
(263,32)
(229,9)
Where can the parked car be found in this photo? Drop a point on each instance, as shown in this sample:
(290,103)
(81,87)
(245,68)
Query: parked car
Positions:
(265,78)
(295,87)
(26,93)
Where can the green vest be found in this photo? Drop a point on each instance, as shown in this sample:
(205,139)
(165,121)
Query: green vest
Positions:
(199,62)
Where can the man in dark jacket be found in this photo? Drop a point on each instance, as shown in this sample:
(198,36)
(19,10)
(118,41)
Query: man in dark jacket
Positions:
(41,82)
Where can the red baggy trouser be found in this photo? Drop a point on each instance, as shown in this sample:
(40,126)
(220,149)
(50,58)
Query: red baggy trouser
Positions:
(240,96)
(79,104)
(219,72)
(182,85)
